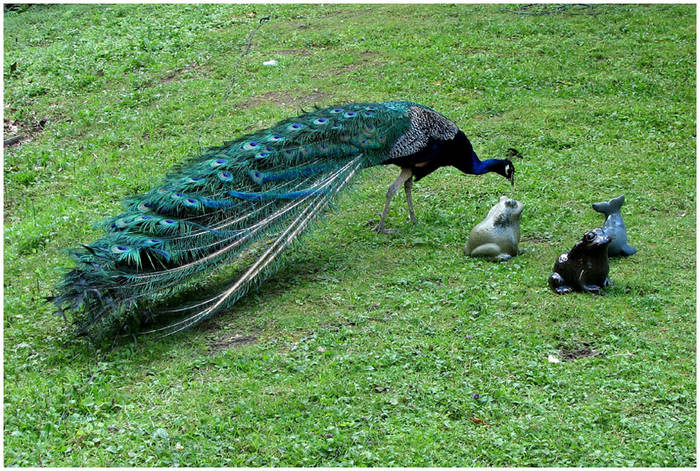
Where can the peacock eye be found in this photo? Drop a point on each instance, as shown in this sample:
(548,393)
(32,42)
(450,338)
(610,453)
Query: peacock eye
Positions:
(589,236)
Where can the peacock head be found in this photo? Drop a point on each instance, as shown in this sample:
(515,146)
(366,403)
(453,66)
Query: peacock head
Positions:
(507,169)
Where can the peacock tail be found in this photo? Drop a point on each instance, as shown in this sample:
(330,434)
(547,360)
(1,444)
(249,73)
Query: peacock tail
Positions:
(248,199)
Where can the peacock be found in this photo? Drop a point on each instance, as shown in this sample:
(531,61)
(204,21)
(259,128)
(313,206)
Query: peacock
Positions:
(243,203)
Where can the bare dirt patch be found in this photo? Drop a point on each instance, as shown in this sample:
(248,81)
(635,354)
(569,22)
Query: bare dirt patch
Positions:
(368,53)
(15,132)
(219,344)
(173,75)
(579,350)
(367,59)
(300,25)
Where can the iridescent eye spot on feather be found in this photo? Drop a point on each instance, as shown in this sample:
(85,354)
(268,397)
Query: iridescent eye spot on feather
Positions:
(371,108)
(249,145)
(217,162)
(145,207)
(304,151)
(119,249)
(177,195)
(256,176)
(275,138)
(368,114)
(225,176)
(123,222)
(369,130)
(191,202)
(261,155)
(324,148)
(143,218)
(320,121)
(350,114)
(381,139)
(294,127)
(168,222)
(289,153)
(337,110)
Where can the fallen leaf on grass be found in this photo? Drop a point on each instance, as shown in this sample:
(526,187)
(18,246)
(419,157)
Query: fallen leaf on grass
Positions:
(479,421)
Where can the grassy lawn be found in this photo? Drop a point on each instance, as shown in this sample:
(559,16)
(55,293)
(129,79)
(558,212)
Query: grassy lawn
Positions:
(366,349)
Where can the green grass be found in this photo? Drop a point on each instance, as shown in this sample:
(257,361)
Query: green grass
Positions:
(367,349)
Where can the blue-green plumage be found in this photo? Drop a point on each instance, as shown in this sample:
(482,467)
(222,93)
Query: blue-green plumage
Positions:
(259,191)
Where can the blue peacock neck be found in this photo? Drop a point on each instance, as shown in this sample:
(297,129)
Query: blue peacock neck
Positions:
(480,168)
(486,166)
(470,162)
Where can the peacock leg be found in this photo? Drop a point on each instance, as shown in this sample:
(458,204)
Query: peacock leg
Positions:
(405,175)
(407,185)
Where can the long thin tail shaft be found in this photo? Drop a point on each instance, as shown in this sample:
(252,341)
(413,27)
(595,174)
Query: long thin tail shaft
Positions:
(314,205)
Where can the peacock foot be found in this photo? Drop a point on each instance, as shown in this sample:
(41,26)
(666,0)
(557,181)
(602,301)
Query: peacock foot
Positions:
(380,228)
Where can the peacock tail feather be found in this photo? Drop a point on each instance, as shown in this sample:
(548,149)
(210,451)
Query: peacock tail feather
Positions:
(255,194)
